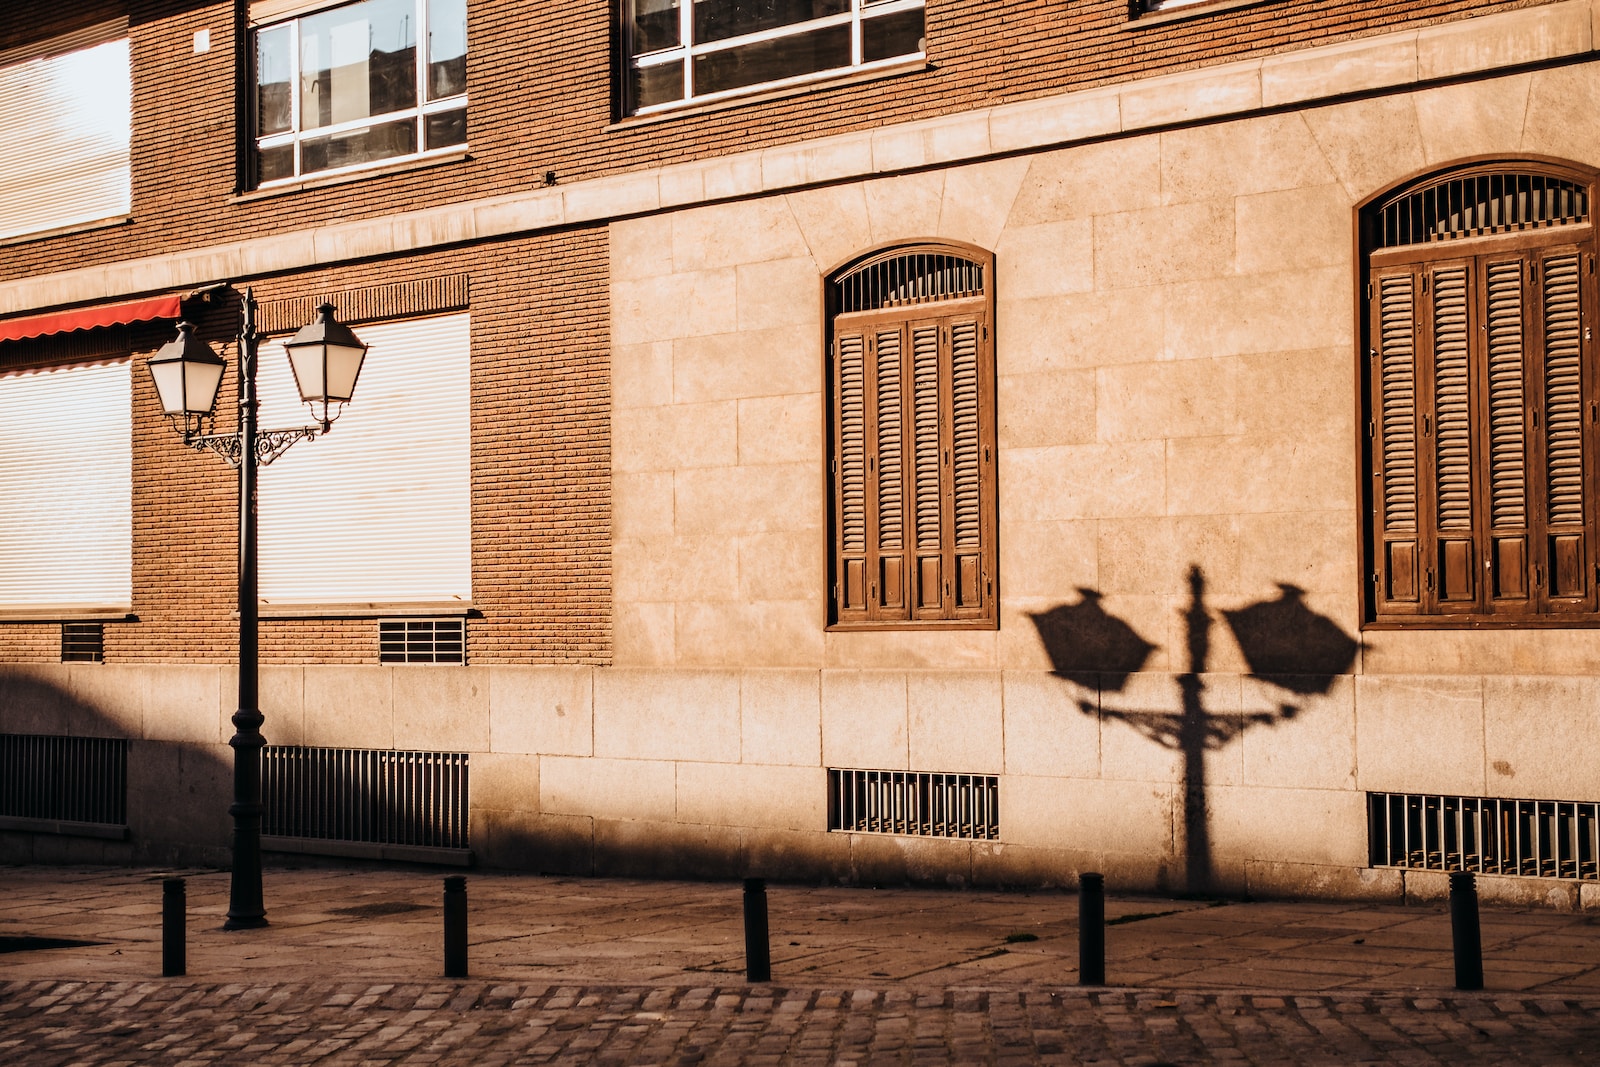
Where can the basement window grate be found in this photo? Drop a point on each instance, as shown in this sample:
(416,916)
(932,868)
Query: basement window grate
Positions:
(422,641)
(83,642)
(371,796)
(914,803)
(64,779)
(1485,835)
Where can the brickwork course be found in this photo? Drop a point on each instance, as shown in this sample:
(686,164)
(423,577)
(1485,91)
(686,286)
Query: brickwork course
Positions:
(634,972)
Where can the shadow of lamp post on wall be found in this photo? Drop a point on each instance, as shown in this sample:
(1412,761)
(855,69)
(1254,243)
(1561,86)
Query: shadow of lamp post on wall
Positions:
(326,359)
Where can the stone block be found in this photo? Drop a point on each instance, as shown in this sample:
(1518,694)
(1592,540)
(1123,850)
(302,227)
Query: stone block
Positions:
(1338,69)
(547,710)
(641,505)
(1283,392)
(770,633)
(1392,713)
(955,721)
(775,294)
(505,782)
(349,706)
(734,500)
(1017,645)
(1564,114)
(782,361)
(781,429)
(1154,401)
(453,224)
(1054,407)
(880,860)
(1473,118)
(1048,732)
(640,247)
(353,240)
(686,304)
(521,840)
(1293,310)
(1154,556)
(780,717)
(865,720)
(1056,120)
(639,849)
(1157,246)
(1048,560)
(180,704)
(1191,96)
(634,192)
(1045,259)
(781,566)
(1464,652)
(671,568)
(750,795)
(441,708)
(675,437)
(644,635)
(1537,733)
(834,158)
(1270,879)
(1508,39)
(1076,331)
(911,650)
(1018,866)
(977,200)
(37,699)
(1304,734)
(667,714)
(1258,473)
(905,207)
(1236,159)
(1317,827)
(607,788)
(641,375)
(1371,144)
(269,255)
(1311,550)
(1097,481)
(1293,229)
(793,856)
(748,231)
(1148,728)
(1088,180)
(282,696)
(179,793)
(102,700)
(834,221)
(1087,816)
(518,213)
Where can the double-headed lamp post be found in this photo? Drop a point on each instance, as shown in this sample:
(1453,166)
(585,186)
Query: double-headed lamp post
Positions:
(326,358)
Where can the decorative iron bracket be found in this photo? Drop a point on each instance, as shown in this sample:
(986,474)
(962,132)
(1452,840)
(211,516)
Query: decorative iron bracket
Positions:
(270,444)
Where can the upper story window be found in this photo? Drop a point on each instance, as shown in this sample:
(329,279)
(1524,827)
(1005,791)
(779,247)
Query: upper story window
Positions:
(912,444)
(681,52)
(348,86)
(1483,413)
(65,117)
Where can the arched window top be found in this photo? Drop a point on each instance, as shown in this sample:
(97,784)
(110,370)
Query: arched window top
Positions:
(1479,201)
(903,276)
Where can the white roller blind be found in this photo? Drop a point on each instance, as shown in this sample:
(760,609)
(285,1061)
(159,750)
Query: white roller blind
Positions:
(378,511)
(66,476)
(64,135)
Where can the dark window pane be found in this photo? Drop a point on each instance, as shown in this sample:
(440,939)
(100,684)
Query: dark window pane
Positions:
(658,85)
(357,61)
(447,48)
(768,61)
(654,25)
(274,106)
(717,20)
(891,35)
(447,129)
(275,163)
(359,146)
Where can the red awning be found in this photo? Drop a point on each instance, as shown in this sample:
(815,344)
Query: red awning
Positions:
(156,307)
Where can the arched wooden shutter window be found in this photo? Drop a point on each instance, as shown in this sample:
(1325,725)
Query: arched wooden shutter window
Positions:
(1482,401)
(912,453)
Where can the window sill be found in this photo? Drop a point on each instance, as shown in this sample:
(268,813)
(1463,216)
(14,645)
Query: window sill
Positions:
(1151,19)
(52,614)
(758,95)
(376,170)
(410,609)
(1461,622)
(63,231)
(912,627)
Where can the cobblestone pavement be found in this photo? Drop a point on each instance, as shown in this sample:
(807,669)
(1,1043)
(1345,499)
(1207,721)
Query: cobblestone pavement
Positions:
(620,971)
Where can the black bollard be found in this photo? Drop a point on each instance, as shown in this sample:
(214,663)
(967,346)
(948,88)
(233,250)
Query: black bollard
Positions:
(1464,933)
(174,932)
(455,926)
(757,952)
(1092,930)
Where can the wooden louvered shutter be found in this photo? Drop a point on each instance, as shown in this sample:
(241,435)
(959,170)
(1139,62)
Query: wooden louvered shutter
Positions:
(850,474)
(930,451)
(1564,565)
(1449,570)
(1507,567)
(971,456)
(1395,504)
(889,480)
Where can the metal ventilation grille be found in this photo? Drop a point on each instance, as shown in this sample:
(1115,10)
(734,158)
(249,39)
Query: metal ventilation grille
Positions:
(1530,838)
(422,641)
(64,779)
(1484,204)
(914,803)
(373,796)
(914,278)
(83,642)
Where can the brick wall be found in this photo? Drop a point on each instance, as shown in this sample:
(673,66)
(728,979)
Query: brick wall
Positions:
(542,99)
(540,476)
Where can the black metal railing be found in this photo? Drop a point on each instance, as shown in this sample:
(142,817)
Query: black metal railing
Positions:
(1485,835)
(374,796)
(64,779)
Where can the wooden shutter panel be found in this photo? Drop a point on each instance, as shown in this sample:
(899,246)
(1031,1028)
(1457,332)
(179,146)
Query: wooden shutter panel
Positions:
(967,463)
(1452,566)
(889,440)
(930,453)
(1568,549)
(1508,560)
(1394,385)
(850,451)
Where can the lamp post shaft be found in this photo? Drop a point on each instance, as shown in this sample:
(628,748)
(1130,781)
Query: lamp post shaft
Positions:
(245,907)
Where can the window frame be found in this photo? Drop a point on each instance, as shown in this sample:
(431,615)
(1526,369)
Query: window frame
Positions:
(686,51)
(296,136)
(1472,257)
(979,310)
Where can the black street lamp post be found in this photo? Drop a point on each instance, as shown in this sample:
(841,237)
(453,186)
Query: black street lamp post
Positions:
(326,358)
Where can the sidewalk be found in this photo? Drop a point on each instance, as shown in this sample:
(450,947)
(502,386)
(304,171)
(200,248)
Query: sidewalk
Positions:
(613,970)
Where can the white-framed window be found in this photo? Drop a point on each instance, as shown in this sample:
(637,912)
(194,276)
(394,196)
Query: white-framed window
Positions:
(683,51)
(66,489)
(378,512)
(65,122)
(349,86)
